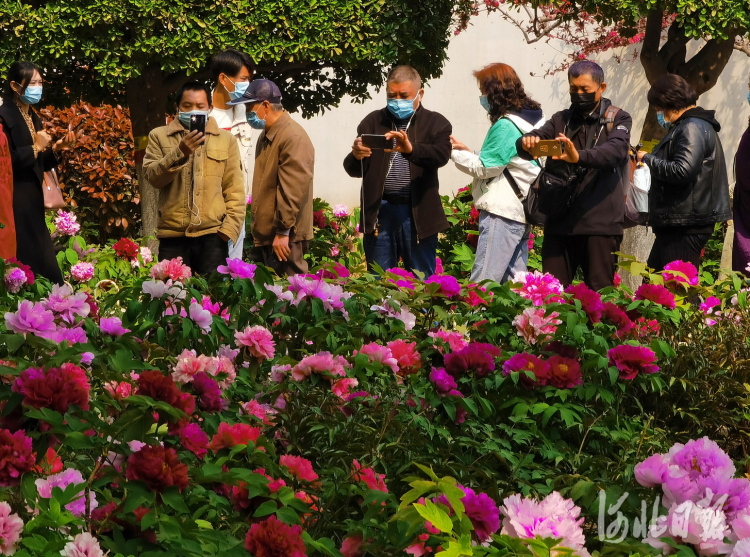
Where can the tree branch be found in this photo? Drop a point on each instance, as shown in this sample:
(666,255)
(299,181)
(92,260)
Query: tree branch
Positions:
(702,71)
(742,44)
(650,49)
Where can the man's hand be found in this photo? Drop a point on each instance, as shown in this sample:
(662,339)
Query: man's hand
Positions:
(360,151)
(529,142)
(403,145)
(457,145)
(191,142)
(281,247)
(571,153)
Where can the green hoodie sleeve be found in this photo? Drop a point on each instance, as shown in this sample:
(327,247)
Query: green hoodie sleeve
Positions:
(500,144)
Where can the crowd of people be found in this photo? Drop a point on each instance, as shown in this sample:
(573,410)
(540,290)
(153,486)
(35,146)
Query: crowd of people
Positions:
(570,172)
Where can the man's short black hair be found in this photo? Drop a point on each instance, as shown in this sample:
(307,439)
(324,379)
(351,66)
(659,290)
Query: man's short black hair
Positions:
(671,92)
(192,86)
(589,68)
(230,62)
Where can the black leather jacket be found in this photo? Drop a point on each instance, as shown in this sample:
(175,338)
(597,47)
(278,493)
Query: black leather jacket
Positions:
(689,185)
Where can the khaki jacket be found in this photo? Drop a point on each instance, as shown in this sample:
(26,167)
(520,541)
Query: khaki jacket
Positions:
(283,183)
(201,194)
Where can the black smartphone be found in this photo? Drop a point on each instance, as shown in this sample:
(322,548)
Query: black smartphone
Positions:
(376,141)
(198,122)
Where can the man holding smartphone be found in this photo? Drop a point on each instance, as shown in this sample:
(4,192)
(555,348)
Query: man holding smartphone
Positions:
(401,213)
(587,227)
(200,182)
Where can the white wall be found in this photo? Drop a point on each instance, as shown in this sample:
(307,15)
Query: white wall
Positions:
(456,96)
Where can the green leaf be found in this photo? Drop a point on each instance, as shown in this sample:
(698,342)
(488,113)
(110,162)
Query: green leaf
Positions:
(266,508)
(435,515)
(172,497)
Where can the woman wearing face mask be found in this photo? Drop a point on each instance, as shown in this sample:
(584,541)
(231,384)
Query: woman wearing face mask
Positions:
(689,187)
(32,153)
(741,248)
(501,177)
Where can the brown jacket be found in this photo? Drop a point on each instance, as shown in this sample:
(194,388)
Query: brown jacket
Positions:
(201,194)
(283,183)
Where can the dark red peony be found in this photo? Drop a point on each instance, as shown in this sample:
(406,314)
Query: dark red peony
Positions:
(208,392)
(157,467)
(273,538)
(54,388)
(632,360)
(615,315)
(16,456)
(319,218)
(161,387)
(127,249)
(478,357)
(564,373)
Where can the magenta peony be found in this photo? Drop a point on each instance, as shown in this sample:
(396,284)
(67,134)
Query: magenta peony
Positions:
(62,480)
(14,279)
(523,363)
(537,287)
(112,326)
(444,383)
(449,286)
(258,340)
(591,301)
(273,538)
(194,439)
(533,322)
(237,269)
(632,360)
(11,527)
(614,315)
(31,318)
(406,279)
(482,512)
(67,305)
(656,293)
(684,268)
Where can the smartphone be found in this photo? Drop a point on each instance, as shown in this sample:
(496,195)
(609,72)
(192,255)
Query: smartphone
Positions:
(198,122)
(548,148)
(376,141)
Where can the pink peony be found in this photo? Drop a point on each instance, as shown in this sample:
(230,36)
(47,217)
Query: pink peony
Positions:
(524,362)
(62,480)
(652,471)
(591,302)
(564,373)
(406,355)
(299,467)
(683,268)
(71,335)
(119,390)
(369,477)
(260,411)
(66,223)
(539,288)
(710,303)
(14,279)
(530,242)
(82,271)
(382,354)
(407,279)
(83,545)
(342,387)
(454,340)
(112,326)
(201,317)
(321,362)
(67,305)
(157,289)
(340,211)
(532,323)
(273,538)
(632,360)
(657,294)
(229,436)
(350,546)
(30,318)
(173,269)
(237,269)
(258,340)
(11,527)
(688,523)
(617,280)
(449,286)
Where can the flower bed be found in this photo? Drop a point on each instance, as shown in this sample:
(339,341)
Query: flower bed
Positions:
(147,412)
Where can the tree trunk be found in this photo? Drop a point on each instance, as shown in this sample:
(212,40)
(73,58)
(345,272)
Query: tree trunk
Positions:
(146,101)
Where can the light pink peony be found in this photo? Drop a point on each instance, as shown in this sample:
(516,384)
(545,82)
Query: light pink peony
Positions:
(157,289)
(455,340)
(66,223)
(258,340)
(82,271)
(83,545)
(201,317)
(688,523)
(11,527)
(382,354)
(62,480)
(322,362)
(173,269)
(533,322)
(30,318)
(340,211)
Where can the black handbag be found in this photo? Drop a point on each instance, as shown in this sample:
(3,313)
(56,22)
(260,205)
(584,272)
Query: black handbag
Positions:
(530,203)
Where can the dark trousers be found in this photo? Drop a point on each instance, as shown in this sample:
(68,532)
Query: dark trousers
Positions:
(563,255)
(676,246)
(203,254)
(397,239)
(294,265)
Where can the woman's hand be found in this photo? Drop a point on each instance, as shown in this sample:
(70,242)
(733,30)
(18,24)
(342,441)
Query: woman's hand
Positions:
(639,156)
(42,141)
(457,145)
(66,142)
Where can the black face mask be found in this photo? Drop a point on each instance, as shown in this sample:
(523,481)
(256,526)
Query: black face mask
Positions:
(583,102)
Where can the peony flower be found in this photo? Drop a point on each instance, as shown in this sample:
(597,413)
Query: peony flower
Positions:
(369,477)
(741,548)
(62,480)
(350,546)
(119,390)
(407,279)
(14,279)
(688,523)
(25,268)
(157,467)
(537,287)
(54,388)
(127,249)
(320,220)
(449,286)
(82,271)
(321,362)
(333,271)
(273,538)
(208,392)
(146,255)
(154,384)
(50,464)
(237,269)
(482,512)
(532,323)
(657,294)
(477,357)
(64,303)
(342,387)
(616,316)
(173,269)
(30,318)
(382,354)
(16,456)
(652,471)
(444,383)
(340,211)
(530,241)
(11,527)
(617,280)
(261,411)
(259,341)
(71,335)
(200,316)
(402,314)
(701,458)
(564,373)
(157,289)
(194,439)
(83,545)
(299,467)
(684,268)
(591,301)
(406,356)
(332,295)
(632,360)
(454,340)
(710,303)
(525,362)
(112,326)
(229,436)
(66,223)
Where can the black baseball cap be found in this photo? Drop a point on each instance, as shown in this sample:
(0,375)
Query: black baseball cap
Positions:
(260,90)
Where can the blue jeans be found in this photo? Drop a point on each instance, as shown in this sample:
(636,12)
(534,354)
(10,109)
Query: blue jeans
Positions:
(397,239)
(502,250)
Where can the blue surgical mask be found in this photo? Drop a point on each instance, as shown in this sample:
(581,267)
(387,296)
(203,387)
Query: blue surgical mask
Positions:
(662,122)
(255,122)
(32,95)
(485,103)
(748,98)
(184,117)
(401,108)
(239,89)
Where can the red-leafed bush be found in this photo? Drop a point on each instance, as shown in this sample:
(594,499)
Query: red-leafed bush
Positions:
(98,174)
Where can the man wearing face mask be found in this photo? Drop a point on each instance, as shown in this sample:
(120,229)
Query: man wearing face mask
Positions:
(232,71)
(282,208)
(200,183)
(401,213)
(587,229)
(689,186)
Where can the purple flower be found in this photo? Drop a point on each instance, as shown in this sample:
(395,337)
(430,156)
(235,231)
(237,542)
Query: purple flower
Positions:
(14,279)
(443,382)
(741,548)
(67,305)
(63,480)
(449,286)
(65,223)
(87,358)
(710,303)
(703,458)
(237,269)
(82,271)
(652,471)
(208,393)
(112,326)
(72,335)
(30,318)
